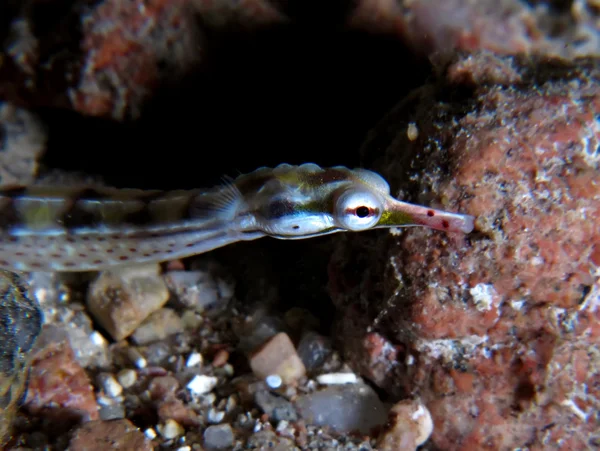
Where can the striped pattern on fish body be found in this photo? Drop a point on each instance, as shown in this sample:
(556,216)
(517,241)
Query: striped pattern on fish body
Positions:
(66,229)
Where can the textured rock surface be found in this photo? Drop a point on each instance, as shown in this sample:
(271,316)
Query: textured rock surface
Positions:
(496,331)
(20,326)
(116,435)
(22,143)
(59,388)
(101,60)
(121,299)
(508,26)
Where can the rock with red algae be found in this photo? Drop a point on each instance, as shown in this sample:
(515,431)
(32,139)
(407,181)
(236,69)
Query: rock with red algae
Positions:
(114,434)
(506,27)
(129,47)
(107,58)
(102,58)
(496,332)
(59,388)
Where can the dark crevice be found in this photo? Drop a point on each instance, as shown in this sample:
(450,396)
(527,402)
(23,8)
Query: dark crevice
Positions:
(289,94)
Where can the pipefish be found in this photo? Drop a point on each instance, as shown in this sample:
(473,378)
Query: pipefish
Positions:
(45,228)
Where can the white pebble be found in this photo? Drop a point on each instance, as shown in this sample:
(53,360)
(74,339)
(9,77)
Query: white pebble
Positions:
(209,399)
(194,359)
(109,385)
(201,384)
(337,378)
(282,425)
(274,381)
(127,377)
(215,416)
(425,422)
(184,448)
(228,369)
(412,132)
(150,433)
(137,358)
(231,404)
(170,430)
(104,400)
(97,339)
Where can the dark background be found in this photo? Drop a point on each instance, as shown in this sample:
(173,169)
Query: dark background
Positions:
(306,91)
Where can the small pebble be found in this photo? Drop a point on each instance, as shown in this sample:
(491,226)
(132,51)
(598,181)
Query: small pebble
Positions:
(273,381)
(170,430)
(313,349)
(409,425)
(163,387)
(202,384)
(218,437)
(150,433)
(157,326)
(228,369)
(337,378)
(343,408)
(109,385)
(127,377)
(191,320)
(158,353)
(194,359)
(209,399)
(137,358)
(278,356)
(231,404)
(199,290)
(276,407)
(112,411)
(220,358)
(412,132)
(184,448)
(215,416)
(121,299)
(97,339)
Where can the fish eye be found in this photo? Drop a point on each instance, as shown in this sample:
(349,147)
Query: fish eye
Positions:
(357,210)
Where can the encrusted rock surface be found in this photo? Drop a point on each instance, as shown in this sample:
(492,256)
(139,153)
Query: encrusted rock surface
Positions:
(566,29)
(497,331)
(59,389)
(116,435)
(494,333)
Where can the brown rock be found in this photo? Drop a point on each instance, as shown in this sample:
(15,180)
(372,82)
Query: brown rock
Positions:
(158,326)
(175,409)
(220,358)
(113,434)
(120,300)
(163,387)
(59,388)
(495,331)
(278,356)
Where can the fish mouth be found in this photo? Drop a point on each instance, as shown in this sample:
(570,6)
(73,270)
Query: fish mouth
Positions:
(402,214)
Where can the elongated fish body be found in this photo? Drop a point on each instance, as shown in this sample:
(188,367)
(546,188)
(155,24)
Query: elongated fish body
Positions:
(85,229)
